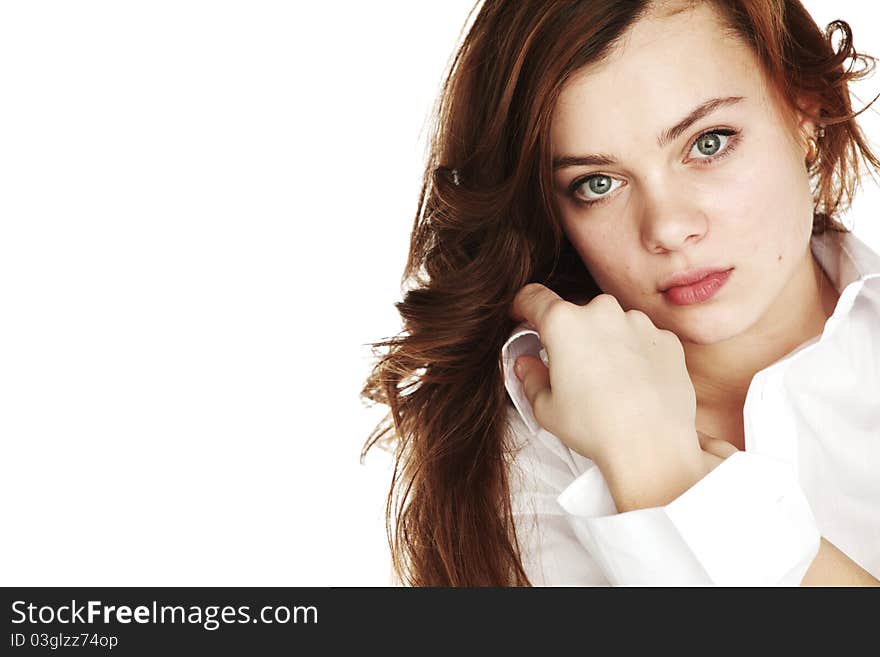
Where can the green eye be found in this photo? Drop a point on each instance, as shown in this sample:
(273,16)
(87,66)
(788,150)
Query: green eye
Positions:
(709,144)
(599,184)
(713,147)
(596,183)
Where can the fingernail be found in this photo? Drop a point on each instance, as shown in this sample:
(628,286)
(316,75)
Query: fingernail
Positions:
(518,370)
(544,357)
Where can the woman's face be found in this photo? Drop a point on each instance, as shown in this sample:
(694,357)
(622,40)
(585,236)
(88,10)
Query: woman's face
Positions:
(728,190)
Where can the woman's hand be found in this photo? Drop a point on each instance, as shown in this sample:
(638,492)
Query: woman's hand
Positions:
(617,390)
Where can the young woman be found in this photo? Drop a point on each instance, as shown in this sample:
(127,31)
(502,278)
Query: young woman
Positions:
(638,344)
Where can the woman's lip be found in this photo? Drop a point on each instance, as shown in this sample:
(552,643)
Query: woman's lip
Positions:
(690,276)
(702,290)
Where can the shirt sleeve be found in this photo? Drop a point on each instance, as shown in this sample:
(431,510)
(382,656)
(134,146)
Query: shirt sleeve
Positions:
(550,551)
(746,523)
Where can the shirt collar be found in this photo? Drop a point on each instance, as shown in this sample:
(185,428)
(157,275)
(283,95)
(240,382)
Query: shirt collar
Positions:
(854,269)
(845,258)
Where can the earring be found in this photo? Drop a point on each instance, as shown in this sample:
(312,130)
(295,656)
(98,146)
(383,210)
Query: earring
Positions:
(812,151)
(813,146)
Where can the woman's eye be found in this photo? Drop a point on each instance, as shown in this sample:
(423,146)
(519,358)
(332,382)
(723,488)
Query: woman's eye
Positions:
(708,147)
(599,184)
(711,143)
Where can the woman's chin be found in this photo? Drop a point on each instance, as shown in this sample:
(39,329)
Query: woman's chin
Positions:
(705,328)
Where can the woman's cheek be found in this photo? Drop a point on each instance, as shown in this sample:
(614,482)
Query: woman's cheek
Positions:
(755,187)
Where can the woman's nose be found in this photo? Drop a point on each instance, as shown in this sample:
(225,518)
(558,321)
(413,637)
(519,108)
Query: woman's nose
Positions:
(670,217)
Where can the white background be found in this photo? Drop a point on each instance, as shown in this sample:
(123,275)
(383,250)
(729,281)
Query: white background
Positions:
(204,216)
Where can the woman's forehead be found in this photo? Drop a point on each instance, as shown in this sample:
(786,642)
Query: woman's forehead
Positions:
(656,55)
(662,68)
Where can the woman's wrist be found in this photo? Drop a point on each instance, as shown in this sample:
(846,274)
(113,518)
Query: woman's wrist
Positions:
(648,480)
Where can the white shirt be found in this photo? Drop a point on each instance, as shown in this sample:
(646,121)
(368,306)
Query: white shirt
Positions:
(811,467)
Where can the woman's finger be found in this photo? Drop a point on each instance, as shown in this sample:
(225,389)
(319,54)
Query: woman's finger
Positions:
(535,378)
(532,302)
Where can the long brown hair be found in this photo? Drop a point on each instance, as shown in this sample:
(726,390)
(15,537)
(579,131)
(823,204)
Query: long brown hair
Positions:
(481,233)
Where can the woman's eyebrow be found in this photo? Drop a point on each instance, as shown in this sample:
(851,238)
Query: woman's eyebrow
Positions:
(601,159)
